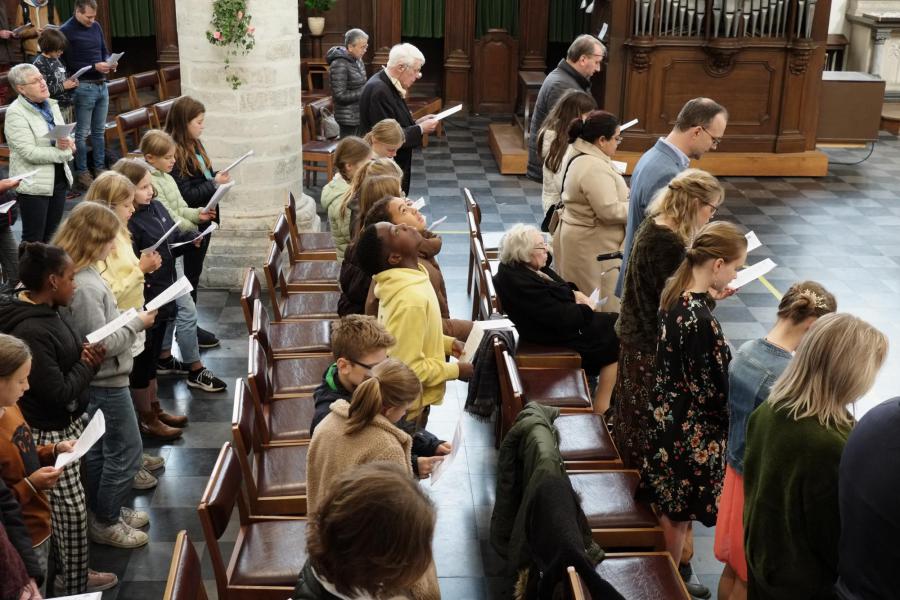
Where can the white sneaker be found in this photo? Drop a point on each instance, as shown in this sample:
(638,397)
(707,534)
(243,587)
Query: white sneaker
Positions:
(119,534)
(134,518)
(143,480)
(153,463)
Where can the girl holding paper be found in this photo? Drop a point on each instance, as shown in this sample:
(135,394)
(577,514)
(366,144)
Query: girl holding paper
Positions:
(88,236)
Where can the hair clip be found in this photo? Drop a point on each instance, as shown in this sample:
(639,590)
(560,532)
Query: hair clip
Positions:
(818,301)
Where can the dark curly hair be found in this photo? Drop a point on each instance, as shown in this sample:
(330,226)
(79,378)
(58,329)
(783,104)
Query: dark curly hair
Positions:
(370,251)
(37,261)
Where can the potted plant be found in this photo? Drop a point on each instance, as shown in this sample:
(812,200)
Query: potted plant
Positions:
(315,20)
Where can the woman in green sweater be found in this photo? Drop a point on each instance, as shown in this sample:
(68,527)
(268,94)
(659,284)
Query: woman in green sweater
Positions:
(794,443)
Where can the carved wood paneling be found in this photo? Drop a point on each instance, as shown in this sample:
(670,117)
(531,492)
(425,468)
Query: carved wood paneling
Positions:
(496,59)
(533,23)
(459,34)
(346,14)
(166,32)
(386,30)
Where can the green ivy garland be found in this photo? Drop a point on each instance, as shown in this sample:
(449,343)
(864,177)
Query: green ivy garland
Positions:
(231,29)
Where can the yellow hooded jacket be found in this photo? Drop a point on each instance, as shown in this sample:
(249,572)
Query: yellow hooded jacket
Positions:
(409,309)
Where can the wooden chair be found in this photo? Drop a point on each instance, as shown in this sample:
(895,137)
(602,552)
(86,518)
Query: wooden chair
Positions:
(170,82)
(637,576)
(308,245)
(302,274)
(490,241)
(294,376)
(145,83)
(185,581)
(269,551)
(288,306)
(318,156)
(120,99)
(290,339)
(160,112)
(419,107)
(132,124)
(275,480)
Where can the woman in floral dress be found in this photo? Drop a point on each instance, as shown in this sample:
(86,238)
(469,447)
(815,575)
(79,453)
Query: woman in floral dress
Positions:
(688,414)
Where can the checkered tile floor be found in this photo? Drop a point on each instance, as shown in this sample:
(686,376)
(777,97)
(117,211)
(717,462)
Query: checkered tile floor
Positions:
(842,230)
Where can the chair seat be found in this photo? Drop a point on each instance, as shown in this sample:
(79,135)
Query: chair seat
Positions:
(281,471)
(289,418)
(317,241)
(301,337)
(314,271)
(563,388)
(643,577)
(607,499)
(319,147)
(272,554)
(311,305)
(298,376)
(585,437)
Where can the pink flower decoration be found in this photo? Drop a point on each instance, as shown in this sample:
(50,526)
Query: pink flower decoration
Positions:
(240,15)
(251,30)
(217,35)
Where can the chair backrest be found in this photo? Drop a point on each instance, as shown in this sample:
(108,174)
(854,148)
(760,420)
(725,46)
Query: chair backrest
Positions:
(275,280)
(281,233)
(222,491)
(243,419)
(576,586)
(119,96)
(290,212)
(258,375)
(132,123)
(472,206)
(161,112)
(510,386)
(3,110)
(140,82)
(492,301)
(170,81)
(185,580)
(249,293)
(260,326)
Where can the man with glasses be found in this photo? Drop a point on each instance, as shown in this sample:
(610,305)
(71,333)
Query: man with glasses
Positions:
(698,129)
(383,97)
(574,72)
(347,74)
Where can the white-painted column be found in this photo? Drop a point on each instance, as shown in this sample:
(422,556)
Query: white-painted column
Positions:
(263,115)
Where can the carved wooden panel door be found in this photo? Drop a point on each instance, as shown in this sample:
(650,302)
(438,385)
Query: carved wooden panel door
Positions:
(496,65)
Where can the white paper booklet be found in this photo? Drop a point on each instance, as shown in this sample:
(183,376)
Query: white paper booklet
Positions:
(113,59)
(4,208)
(630,123)
(160,240)
(114,325)
(61,131)
(436,223)
(456,444)
(239,161)
(752,242)
(81,72)
(173,292)
(220,193)
(212,227)
(419,204)
(93,432)
(749,274)
(450,111)
(24,176)
(478,330)
(597,300)
(619,166)
(88,596)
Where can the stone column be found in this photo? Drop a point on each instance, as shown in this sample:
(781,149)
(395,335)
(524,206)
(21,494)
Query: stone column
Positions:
(876,60)
(263,115)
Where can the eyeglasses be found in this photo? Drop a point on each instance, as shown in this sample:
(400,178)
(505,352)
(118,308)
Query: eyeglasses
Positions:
(714,207)
(542,247)
(39,80)
(716,141)
(364,365)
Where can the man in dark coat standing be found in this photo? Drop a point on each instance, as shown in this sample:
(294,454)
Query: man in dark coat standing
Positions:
(383,97)
(574,72)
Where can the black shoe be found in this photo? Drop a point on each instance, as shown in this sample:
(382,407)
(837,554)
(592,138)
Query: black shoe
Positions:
(695,589)
(206,339)
(204,379)
(171,366)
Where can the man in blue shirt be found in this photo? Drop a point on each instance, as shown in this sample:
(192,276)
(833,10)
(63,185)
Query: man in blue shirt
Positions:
(698,129)
(87,47)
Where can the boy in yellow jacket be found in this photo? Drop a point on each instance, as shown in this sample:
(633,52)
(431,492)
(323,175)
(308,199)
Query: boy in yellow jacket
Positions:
(409,309)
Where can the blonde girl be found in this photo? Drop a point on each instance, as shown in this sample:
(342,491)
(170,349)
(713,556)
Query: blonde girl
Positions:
(351,153)
(385,138)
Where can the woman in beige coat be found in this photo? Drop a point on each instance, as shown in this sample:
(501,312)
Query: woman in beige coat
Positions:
(363,431)
(595,200)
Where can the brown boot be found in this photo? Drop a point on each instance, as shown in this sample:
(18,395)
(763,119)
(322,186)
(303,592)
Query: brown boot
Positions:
(179,421)
(152,427)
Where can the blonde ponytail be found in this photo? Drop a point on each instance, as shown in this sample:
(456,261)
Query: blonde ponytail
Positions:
(391,385)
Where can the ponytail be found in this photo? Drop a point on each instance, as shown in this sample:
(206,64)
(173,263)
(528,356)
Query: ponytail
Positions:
(598,124)
(391,385)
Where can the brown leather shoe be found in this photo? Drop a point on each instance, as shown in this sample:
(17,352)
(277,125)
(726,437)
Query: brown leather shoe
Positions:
(152,427)
(179,421)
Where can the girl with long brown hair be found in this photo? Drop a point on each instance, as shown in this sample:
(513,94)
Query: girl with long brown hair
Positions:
(351,153)
(553,140)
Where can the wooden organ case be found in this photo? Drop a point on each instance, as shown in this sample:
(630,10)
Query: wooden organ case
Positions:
(761,59)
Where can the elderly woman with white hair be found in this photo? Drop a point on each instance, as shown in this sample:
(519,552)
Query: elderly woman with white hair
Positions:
(547,310)
(383,97)
(28,120)
(347,74)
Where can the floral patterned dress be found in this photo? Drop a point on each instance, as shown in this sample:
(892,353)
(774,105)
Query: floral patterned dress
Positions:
(688,413)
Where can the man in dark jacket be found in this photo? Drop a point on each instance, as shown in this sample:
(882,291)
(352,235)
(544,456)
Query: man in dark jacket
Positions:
(347,74)
(573,73)
(383,97)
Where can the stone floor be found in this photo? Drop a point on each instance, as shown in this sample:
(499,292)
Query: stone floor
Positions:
(842,230)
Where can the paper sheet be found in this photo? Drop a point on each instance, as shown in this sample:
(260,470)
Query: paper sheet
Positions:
(160,240)
(450,111)
(88,596)
(630,123)
(212,227)
(619,166)
(239,161)
(603,31)
(93,432)
(456,444)
(4,208)
(436,223)
(596,300)
(173,292)
(752,242)
(81,72)
(418,204)
(23,176)
(114,325)
(478,330)
(61,131)
(749,274)
(113,59)
(220,193)
(21,28)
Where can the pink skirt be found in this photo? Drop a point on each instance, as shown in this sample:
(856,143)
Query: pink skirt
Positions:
(729,544)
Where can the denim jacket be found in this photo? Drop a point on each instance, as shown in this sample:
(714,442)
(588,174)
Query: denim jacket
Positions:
(751,374)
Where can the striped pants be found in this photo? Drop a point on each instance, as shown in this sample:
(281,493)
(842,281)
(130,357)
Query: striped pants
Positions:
(68,515)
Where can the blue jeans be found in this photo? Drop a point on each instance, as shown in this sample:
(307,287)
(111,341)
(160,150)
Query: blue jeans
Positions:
(91,107)
(184,325)
(112,463)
